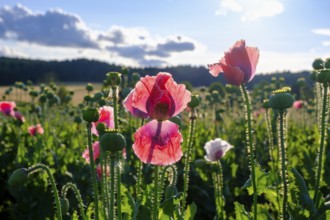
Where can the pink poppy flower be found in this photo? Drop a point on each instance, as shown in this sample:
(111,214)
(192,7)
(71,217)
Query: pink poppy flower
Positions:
(298,104)
(106,117)
(160,97)
(216,149)
(134,111)
(238,64)
(99,173)
(35,129)
(7,108)
(19,116)
(96,152)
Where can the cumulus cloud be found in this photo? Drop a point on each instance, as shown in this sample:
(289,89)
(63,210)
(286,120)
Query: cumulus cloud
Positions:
(322,31)
(10,52)
(251,10)
(63,30)
(52,28)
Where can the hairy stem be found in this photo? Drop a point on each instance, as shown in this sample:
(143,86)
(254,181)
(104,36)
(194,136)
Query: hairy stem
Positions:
(77,194)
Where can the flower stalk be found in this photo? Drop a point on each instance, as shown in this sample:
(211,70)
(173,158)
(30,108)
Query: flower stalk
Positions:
(248,125)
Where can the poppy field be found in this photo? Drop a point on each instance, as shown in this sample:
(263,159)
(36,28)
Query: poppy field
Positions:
(149,148)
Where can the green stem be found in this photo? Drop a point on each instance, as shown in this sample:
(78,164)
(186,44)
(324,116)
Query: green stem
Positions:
(188,159)
(76,192)
(271,156)
(139,180)
(112,186)
(283,164)
(173,173)
(104,188)
(250,147)
(155,199)
(93,171)
(322,141)
(218,187)
(39,167)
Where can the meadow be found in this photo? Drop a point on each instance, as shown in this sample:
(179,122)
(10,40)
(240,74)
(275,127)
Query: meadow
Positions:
(222,152)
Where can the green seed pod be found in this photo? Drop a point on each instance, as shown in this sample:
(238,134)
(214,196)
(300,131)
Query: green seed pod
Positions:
(98,96)
(89,87)
(77,119)
(170,191)
(323,76)
(313,75)
(112,141)
(18,177)
(135,77)
(318,64)
(195,100)
(177,120)
(281,99)
(87,98)
(90,114)
(327,63)
(101,127)
(64,205)
(113,79)
(42,98)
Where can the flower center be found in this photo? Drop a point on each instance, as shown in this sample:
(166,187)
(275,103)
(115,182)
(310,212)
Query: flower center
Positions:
(218,154)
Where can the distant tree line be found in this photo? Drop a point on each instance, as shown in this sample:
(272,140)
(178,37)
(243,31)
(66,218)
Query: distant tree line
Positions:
(83,70)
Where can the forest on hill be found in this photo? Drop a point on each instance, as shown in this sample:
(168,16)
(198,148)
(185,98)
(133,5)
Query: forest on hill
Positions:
(83,70)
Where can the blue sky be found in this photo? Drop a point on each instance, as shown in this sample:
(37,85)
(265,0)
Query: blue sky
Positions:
(290,34)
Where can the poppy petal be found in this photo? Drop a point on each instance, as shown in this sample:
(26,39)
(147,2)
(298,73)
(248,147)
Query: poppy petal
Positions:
(158,143)
(233,75)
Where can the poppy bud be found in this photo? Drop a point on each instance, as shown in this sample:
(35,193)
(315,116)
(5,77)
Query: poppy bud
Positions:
(281,99)
(101,127)
(177,120)
(113,79)
(42,99)
(323,76)
(91,114)
(318,64)
(170,191)
(19,176)
(64,205)
(112,141)
(89,87)
(194,101)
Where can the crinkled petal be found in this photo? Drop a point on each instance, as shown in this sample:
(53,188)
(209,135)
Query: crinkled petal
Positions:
(158,143)
(142,92)
(233,75)
(180,95)
(128,104)
(214,69)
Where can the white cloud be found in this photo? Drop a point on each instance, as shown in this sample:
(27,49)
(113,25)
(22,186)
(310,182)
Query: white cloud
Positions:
(251,10)
(326,43)
(322,31)
(10,52)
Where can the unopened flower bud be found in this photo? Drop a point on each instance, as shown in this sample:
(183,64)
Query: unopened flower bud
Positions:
(64,205)
(89,87)
(170,191)
(112,141)
(42,99)
(18,177)
(177,120)
(265,104)
(195,100)
(281,99)
(90,114)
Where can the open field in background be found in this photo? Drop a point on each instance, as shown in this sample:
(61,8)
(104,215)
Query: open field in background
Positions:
(78,88)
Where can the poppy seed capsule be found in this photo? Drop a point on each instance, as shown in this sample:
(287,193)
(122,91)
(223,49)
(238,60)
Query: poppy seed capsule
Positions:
(177,120)
(318,64)
(323,76)
(19,176)
(112,141)
(64,205)
(281,99)
(194,101)
(265,104)
(90,114)
(113,79)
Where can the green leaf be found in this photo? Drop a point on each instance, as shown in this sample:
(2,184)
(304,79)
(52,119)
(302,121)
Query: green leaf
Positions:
(304,197)
(261,181)
(190,212)
(240,212)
